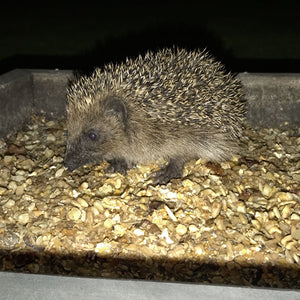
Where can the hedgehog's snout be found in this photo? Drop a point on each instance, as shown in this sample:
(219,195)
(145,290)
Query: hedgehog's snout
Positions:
(69,164)
(69,167)
(75,158)
(71,161)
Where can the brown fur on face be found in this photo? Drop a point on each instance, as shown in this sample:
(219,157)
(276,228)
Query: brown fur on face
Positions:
(173,104)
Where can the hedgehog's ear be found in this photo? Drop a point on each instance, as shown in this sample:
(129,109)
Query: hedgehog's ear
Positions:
(115,106)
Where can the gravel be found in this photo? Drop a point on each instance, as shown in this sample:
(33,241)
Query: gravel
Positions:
(235,222)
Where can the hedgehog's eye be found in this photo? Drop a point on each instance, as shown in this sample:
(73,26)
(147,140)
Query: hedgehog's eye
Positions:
(93,136)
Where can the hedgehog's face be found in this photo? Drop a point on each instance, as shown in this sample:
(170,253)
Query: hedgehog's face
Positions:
(96,134)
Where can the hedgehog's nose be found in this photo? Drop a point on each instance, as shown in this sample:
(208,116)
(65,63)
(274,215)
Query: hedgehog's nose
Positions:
(70,163)
(70,167)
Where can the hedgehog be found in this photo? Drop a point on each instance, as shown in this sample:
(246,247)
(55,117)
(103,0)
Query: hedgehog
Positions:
(172,104)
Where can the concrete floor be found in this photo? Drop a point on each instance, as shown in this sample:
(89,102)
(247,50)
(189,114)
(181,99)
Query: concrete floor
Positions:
(25,286)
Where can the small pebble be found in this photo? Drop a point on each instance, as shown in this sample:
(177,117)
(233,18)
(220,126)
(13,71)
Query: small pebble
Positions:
(108,223)
(82,202)
(19,190)
(51,138)
(193,228)
(23,218)
(105,190)
(10,203)
(48,153)
(103,248)
(296,234)
(74,214)
(12,186)
(138,232)
(181,229)
(59,172)
(216,207)
(8,159)
(119,230)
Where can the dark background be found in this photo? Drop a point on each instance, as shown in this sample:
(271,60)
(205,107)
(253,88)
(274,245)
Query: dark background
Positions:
(253,36)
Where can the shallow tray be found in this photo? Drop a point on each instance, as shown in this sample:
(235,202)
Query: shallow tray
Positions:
(273,101)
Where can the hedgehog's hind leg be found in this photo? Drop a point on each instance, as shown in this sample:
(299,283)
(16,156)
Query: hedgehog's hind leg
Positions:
(172,170)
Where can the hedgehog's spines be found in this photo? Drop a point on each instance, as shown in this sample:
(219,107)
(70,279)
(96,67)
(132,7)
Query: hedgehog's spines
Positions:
(171,75)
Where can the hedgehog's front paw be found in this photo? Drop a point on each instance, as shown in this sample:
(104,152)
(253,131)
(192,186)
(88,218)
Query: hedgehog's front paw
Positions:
(170,171)
(117,165)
